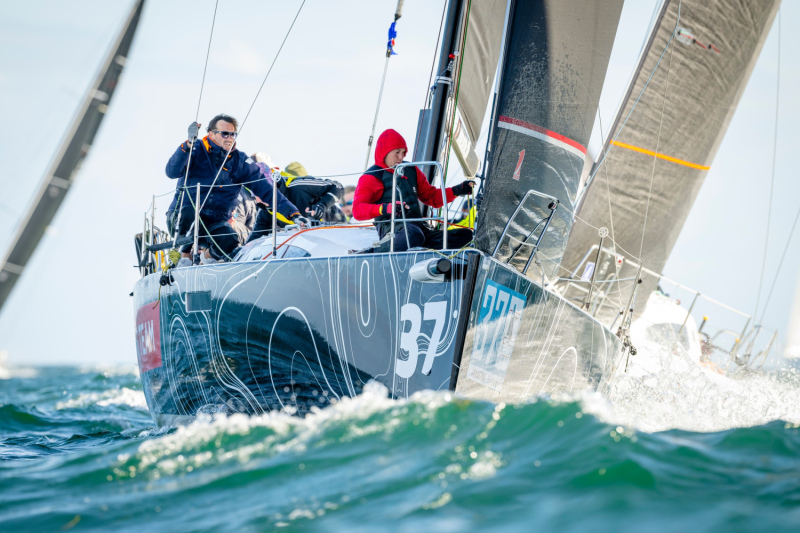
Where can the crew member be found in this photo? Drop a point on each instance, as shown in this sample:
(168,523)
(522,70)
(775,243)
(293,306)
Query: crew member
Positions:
(244,214)
(347,202)
(373,199)
(216,156)
(316,197)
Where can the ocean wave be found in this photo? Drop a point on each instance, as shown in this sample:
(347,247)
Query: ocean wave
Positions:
(120,396)
(109,371)
(432,462)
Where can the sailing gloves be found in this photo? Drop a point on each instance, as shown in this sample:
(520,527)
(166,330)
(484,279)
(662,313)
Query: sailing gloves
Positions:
(303,222)
(194,127)
(464,188)
(386,209)
(317,210)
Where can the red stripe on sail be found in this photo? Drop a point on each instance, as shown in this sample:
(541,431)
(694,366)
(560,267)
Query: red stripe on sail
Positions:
(543,131)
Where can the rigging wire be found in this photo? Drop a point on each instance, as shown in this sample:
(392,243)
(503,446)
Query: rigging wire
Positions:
(780,264)
(205,67)
(273,64)
(428,91)
(608,149)
(610,211)
(197,115)
(576,217)
(389,53)
(772,178)
(258,93)
(658,138)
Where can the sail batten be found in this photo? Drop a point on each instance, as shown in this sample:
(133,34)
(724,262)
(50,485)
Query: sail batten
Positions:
(72,152)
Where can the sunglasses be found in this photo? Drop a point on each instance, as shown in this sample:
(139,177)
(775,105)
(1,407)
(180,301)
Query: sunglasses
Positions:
(225,134)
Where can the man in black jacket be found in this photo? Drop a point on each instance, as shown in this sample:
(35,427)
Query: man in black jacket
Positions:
(315,197)
(214,160)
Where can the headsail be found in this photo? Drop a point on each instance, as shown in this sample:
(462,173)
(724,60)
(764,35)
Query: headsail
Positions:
(702,76)
(481,54)
(72,152)
(555,63)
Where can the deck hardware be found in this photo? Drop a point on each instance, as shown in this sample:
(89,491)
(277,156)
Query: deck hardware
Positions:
(603,233)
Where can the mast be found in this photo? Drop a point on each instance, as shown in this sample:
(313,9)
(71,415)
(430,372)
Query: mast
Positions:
(73,150)
(429,141)
(468,59)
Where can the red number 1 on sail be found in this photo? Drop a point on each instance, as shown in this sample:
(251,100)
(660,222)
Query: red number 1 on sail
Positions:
(519,165)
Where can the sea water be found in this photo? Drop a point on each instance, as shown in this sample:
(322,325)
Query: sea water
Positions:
(678,448)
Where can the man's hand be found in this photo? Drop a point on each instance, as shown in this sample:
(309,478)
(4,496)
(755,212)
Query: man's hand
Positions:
(194,128)
(464,188)
(386,209)
(316,211)
(303,222)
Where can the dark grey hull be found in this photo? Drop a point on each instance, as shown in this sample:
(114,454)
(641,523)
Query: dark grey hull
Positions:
(296,334)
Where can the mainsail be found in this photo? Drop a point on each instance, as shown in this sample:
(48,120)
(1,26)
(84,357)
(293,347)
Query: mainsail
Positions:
(555,63)
(72,152)
(674,131)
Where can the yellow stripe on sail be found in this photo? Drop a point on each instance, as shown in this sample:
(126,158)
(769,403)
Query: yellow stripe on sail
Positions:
(660,156)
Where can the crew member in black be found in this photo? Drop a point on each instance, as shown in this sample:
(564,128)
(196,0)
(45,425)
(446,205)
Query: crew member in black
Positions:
(315,197)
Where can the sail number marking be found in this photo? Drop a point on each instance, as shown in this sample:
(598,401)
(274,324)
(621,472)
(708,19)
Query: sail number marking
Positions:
(411,313)
(499,319)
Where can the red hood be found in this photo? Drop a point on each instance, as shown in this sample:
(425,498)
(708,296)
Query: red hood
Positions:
(389,140)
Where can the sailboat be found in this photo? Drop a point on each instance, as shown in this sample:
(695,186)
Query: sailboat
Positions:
(297,320)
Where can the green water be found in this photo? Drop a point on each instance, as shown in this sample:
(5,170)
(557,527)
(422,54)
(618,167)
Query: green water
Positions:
(79,452)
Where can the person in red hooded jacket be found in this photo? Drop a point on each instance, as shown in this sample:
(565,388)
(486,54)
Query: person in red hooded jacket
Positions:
(373,198)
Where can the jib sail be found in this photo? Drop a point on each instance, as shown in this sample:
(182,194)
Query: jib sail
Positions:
(673,132)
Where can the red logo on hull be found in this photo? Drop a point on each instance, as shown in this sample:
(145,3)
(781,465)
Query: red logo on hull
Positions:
(519,165)
(148,337)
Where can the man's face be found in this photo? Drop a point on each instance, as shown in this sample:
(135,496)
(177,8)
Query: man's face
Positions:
(216,135)
(347,208)
(395,157)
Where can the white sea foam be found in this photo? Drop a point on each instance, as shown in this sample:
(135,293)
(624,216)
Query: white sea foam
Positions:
(121,396)
(665,389)
(177,451)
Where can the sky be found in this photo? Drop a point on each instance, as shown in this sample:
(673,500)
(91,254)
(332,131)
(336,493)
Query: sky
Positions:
(72,305)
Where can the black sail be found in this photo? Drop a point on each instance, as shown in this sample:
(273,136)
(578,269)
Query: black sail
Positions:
(697,85)
(70,155)
(557,53)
